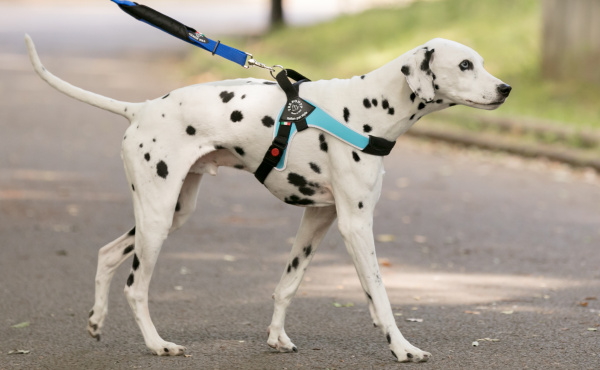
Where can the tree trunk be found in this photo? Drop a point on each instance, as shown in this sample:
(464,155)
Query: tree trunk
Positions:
(277,19)
(571,39)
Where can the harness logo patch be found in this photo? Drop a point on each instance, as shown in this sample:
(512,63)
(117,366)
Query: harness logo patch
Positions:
(296,109)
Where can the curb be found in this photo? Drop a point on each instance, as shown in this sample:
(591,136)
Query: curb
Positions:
(499,142)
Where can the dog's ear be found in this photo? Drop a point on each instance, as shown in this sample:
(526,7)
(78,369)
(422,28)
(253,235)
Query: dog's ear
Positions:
(418,74)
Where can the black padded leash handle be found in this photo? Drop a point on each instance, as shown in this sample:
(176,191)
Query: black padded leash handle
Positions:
(157,19)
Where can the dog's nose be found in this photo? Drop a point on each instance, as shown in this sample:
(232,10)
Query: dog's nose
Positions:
(504,90)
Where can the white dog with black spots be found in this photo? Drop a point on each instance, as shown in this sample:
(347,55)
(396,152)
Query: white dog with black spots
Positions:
(172,141)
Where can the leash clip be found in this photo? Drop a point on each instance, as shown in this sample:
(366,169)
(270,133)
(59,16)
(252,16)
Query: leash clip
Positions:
(251,62)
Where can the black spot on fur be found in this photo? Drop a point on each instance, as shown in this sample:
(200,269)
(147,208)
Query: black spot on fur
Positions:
(300,182)
(413,96)
(426,60)
(268,121)
(360,205)
(244,96)
(269,83)
(141,145)
(346,114)
(297,180)
(239,166)
(413,116)
(295,263)
(409,355)
(421,105)
(367,103)
(147,156)
(367,128)
(355,156)
(166,350)
(136,262)
(370,298)
(289,269)
(154,140)
(307,250)
(132,187)
(297,201)
(315,167)
(177,207)
(323,143)
(437,87)
(389,338)
(362,77)
(162,170)
(374,102)
(130,280)
(405,70)
(125,109)
(226,96)
(394,355)
(439,101)
(452,104)
(385,104)
(218,147)
(163,115)
(131,232)
(166,96)
(236,116)
(190,130)
(129,249)
(91,313)
(239,150)
(391,111)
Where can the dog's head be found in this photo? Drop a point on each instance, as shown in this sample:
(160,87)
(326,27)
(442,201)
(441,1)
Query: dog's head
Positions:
(444,69)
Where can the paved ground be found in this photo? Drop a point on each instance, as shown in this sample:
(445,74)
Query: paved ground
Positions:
(476,245)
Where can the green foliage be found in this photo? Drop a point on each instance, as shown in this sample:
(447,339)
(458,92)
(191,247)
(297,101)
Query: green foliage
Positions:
(507,33)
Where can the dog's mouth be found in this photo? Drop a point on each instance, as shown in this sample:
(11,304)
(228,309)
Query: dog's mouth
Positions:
(499,102)
(487,106)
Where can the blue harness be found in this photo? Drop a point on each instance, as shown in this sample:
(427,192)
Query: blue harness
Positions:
(298,115)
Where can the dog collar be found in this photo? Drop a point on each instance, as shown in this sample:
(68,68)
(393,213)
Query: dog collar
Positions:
(298,115)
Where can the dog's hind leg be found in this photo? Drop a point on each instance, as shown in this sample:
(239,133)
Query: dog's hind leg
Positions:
(109,258)
(116,252)
(314,226)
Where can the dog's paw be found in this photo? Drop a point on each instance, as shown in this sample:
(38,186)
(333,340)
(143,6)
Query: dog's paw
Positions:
(412,354)
(169,349)
(94,326)
(280,341)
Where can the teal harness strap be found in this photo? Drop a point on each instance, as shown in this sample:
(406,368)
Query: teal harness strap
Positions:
(299,114)
(319,119)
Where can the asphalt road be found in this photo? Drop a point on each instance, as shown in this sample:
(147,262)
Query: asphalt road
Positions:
(477,245)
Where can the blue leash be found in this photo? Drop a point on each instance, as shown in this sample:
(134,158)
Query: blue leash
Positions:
(175,28)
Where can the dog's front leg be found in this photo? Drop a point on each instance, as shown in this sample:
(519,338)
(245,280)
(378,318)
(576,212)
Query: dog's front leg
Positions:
(355,202)
(314,226)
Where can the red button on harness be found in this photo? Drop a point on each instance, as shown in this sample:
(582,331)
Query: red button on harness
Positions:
(275,152)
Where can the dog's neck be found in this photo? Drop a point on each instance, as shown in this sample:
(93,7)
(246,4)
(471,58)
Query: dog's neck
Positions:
(366,98)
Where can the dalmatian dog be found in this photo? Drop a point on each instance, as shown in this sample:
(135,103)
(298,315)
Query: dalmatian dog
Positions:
(172,141)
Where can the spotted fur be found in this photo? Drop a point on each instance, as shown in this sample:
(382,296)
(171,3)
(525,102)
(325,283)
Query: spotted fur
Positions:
(174,140)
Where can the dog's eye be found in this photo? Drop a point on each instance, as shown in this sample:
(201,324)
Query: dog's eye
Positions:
(465,65)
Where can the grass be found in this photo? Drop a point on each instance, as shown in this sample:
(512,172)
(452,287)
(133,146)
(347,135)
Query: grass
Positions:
(507,33)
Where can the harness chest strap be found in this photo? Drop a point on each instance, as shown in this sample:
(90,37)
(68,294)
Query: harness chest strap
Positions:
(298,115)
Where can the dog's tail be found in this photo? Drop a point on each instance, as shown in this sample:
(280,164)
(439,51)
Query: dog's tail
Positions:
(124,109)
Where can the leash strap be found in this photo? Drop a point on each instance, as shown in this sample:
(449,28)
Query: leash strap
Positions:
(183,32)
(298,115)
